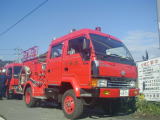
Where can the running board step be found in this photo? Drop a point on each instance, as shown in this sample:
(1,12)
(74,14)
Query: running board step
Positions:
(40,97)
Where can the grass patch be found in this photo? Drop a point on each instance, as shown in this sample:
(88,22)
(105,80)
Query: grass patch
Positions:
(146,109)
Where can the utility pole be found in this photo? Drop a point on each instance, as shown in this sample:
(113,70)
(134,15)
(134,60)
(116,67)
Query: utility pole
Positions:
(18,53)
(158,19)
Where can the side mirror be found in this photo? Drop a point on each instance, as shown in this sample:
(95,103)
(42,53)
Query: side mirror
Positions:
(86,44)
(43,66)
(86,50)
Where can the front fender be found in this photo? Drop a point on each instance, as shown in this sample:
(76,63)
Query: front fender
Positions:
(28,84)
(36,90)
(74,84)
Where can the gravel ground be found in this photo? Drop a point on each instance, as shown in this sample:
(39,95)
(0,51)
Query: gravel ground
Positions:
(17,110)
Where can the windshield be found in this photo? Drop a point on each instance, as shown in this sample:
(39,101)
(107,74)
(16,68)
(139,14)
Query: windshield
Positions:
(17,70)
(111,50)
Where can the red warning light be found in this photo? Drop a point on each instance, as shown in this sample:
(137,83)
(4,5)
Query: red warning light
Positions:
(98,29)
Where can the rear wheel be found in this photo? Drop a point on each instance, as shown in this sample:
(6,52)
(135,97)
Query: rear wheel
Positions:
(71,105)
(29,100)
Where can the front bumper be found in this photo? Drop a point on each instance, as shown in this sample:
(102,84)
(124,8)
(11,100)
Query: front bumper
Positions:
(109,92)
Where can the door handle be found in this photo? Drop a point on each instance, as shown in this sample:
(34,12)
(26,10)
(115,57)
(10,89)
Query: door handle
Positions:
(66,69)
(49,70)
(85,63)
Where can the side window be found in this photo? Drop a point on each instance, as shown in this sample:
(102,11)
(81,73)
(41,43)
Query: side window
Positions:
(75,45)
(56,51)
(9,71)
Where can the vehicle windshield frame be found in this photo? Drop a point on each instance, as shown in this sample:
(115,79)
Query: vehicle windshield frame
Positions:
(102,44)
(17,70)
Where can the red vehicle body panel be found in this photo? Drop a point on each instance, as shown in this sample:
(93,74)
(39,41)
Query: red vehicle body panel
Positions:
(114,69)
(115,93)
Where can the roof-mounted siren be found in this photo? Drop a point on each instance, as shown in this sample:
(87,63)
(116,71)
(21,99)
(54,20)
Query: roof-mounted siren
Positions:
(98,29)
(73,30)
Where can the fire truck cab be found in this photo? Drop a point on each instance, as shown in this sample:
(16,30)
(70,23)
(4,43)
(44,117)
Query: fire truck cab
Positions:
(12,71)
(79,68)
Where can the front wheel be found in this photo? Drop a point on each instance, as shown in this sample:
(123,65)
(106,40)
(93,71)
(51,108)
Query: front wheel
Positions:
(29,100)
(71,105)
(111,107)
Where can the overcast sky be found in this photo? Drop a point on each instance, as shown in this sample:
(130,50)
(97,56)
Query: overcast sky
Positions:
(132,21)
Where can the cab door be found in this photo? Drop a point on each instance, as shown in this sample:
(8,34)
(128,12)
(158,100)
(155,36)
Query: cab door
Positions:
(10,81)
(54,65)
(76,64)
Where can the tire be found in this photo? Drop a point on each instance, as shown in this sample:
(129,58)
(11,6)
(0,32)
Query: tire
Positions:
(19,97)
(111,107)
(8,95)
(29,100)
(132,104)
(71,105)
(106,108)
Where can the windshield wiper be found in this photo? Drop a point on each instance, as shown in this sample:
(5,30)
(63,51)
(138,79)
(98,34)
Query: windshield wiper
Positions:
(115,55)
(105,55)
(128,58)
(122,57)
(100,53)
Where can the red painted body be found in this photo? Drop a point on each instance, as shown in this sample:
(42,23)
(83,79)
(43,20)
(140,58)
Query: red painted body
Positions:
(115,93)
(12,72)
(114,69)
(73,70)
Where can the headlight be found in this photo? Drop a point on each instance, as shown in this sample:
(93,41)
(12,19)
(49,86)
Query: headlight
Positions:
(99,83)
(102,83)
(132,84)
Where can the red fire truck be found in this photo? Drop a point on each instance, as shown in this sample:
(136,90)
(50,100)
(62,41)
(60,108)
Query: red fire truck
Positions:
(79,68)
(12,71)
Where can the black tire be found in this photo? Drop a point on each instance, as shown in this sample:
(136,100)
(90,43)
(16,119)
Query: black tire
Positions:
(29,100)
(111,107)
(78,105)
(9,95)
(19,97)
(106,108)
(132,104)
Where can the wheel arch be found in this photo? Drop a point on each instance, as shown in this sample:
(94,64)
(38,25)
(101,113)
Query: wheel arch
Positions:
(71,83)
(28,84)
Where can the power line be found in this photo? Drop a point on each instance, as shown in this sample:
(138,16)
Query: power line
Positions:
(12,26)
(6,49)
(17,54)
(7,54)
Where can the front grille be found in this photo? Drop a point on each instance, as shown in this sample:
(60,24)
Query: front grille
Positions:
(119,82)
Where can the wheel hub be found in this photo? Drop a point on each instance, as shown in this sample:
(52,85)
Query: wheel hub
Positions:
(69,104)
(27,97)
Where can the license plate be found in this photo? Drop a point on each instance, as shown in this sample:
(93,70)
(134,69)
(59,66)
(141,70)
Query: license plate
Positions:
(124,92)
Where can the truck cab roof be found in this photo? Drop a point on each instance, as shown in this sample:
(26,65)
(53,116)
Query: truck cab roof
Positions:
(81,32)
(13,64)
